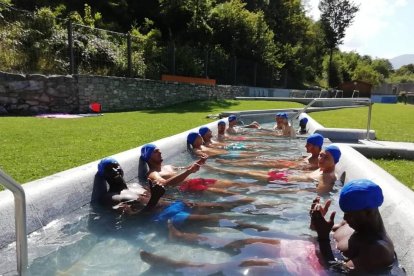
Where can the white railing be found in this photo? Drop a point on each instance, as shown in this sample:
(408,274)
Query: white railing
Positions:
(362,101)
(19,220)
(337,92)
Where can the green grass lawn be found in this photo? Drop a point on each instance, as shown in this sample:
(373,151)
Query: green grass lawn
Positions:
(32,148)
(391,122)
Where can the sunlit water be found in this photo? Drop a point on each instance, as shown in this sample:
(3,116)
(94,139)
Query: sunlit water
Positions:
(96,241)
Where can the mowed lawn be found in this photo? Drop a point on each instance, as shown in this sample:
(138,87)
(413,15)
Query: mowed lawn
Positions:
(32,148)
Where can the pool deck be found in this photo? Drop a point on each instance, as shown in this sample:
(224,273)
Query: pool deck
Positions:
(378,149)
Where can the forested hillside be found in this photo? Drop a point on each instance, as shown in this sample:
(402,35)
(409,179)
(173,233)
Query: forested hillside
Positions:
(243,42)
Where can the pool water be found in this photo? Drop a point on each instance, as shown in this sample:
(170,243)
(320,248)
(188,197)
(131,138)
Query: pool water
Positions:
(97,241)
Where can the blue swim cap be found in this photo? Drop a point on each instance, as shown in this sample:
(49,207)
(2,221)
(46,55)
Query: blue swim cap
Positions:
(303,120)
(278,114)
(315,139)
(334,151)
(203,130)
(105,162)
(360,194)
(232,118)
(192,136)
(146,151)
(221,123)
(283,115)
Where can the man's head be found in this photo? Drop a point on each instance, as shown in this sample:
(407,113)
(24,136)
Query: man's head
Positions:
(302,124)
(232,120)
(359,200)
(314,143)
(205,133)
(284,118)
(151,154)
(194,139)
(328,157)
(221,127)
(110,169)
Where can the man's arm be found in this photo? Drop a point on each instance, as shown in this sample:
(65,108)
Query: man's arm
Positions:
(323,228)
(156,178)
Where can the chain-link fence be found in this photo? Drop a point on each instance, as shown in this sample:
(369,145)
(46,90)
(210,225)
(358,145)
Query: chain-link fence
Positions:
(40,42)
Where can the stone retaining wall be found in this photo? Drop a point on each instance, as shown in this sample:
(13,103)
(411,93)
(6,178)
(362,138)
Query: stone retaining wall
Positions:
(34,94)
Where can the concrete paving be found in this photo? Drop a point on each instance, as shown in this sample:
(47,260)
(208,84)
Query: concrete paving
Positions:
(378,149)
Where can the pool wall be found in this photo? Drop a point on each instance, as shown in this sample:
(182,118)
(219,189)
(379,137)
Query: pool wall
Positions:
(54,196)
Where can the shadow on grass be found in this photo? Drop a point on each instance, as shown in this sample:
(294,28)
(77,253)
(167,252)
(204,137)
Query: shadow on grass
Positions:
(194,106)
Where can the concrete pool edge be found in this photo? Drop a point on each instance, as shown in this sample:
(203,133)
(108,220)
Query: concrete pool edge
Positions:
(69,190)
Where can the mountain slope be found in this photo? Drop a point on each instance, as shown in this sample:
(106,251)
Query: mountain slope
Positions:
(399,61)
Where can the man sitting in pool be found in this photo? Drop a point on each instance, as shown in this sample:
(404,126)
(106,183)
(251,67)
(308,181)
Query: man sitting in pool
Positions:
(196,147)
(302,126)
(287,129)
(132,202)
(313,146)
(207,136)
(324,175)
(223,137)
(119,193)
(361,237)
(232,129)
(174,177)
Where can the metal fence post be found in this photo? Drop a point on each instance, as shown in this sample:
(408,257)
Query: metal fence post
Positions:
(129,57)
(70,46)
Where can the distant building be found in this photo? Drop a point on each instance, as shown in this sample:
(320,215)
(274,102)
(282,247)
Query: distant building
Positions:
(348,87)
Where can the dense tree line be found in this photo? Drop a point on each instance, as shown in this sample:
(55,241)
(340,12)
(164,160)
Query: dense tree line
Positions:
(270,43)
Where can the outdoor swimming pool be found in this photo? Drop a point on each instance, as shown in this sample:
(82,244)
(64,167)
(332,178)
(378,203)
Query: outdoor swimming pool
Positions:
(92,240)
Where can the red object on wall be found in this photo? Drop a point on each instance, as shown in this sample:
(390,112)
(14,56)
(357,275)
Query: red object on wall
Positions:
(95,107)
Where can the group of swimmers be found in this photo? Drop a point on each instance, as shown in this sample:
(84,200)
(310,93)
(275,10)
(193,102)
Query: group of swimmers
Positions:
(360,237)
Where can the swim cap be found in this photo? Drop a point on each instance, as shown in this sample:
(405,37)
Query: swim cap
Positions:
(360,194)
(232,118)
(278,114)
(203,130)
(221,123)
(283,115)
(315,139)
(105,162)
(334,151)
(192,136)
(146,151)
(303,120)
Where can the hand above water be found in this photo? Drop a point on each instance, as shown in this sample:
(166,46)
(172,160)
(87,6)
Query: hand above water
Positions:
(318,221)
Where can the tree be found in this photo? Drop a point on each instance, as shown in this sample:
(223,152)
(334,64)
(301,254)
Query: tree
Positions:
(382,66)
(366,73)
(336,16)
